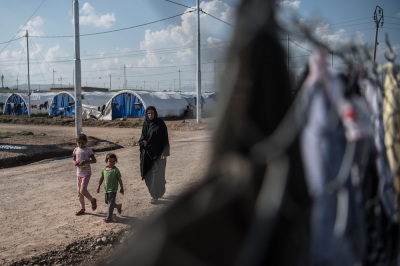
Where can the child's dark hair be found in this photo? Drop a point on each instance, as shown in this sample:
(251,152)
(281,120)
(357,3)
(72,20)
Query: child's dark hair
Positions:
(82,136)
(111,155)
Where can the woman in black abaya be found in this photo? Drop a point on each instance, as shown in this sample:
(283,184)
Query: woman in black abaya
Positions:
(154,149)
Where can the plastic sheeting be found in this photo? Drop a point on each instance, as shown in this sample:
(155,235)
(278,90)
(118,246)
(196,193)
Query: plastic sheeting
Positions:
(17,103)
(63,103)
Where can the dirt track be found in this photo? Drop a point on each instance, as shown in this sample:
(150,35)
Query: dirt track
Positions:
(39,199)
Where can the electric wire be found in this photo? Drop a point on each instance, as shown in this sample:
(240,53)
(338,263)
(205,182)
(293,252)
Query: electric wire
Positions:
(116,30)
(23,26)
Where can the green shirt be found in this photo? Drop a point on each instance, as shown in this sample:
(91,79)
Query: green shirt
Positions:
(111,179)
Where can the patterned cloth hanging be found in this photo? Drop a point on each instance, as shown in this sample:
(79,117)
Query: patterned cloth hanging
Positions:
(391,118)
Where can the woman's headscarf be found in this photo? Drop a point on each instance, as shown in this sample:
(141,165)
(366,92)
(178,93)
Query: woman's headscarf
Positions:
(155,113)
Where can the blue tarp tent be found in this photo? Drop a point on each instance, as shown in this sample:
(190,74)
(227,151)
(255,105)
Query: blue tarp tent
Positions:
(63,103)
(133,104)
(127,105)
(15,105)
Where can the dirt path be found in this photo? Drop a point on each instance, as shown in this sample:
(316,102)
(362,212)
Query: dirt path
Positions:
(39,199)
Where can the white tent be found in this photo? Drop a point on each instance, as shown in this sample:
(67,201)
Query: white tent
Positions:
(3,98)
(63,103)
(17,103)
(209,104)
(131,104)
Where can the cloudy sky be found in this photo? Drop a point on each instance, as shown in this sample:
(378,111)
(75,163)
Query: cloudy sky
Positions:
(153,42)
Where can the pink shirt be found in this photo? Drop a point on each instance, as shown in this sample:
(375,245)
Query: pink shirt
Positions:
(83,155)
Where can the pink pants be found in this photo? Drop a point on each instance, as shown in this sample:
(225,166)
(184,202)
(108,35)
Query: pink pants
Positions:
(83,182)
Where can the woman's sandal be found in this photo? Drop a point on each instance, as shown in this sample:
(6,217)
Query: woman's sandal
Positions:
(154,201)
(94,203)
(119,208)
(81,211)
(108,220)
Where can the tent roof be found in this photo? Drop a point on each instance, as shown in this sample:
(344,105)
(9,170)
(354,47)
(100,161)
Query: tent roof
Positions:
(167,104)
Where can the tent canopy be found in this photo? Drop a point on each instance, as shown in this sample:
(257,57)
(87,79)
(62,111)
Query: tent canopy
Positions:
(132,104)
(17,103)
(63,103)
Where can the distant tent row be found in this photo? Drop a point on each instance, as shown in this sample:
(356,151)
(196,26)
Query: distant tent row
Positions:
(101,105)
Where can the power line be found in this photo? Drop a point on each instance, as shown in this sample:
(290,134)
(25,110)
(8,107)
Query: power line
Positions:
(217,18)
(116,30)
(351,20)
(23,26)
(347,26)
(12,40)
(300,46)
(180,4)
(202,12)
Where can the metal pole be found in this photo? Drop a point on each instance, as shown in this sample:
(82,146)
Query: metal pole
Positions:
(110,82)
(215,75)
(198,66)
(124,77)
(78,97)
(29,81)
(378,12)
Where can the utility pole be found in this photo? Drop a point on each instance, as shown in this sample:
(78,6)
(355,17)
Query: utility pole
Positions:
(124,77)
(2,78)
(378,18)
(17,83)
(29,81)
(198,66)
(180,80)
(215,75)
(53,78)
(78,96)
(110,81)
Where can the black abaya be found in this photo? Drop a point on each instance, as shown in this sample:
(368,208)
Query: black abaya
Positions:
(152,167)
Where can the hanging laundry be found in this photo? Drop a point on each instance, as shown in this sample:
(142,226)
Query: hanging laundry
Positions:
(391,117)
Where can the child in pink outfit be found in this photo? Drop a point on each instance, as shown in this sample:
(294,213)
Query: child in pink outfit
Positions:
(83,156)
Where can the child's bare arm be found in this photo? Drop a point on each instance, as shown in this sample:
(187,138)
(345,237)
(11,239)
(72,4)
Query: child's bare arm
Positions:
(122,190)
(100,182)
(92,159)
(74,160)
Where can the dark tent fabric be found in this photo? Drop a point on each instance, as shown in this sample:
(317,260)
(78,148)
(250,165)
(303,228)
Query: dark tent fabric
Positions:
(63,104)
(253,206)
(127,105)
(15,105)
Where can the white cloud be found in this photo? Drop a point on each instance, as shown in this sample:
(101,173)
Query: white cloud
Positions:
(290,6)
(91,17)
(34,27)
(184,35)
(398,15)
(339,37)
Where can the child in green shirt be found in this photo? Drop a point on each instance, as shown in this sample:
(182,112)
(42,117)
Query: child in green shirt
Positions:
(111,176)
